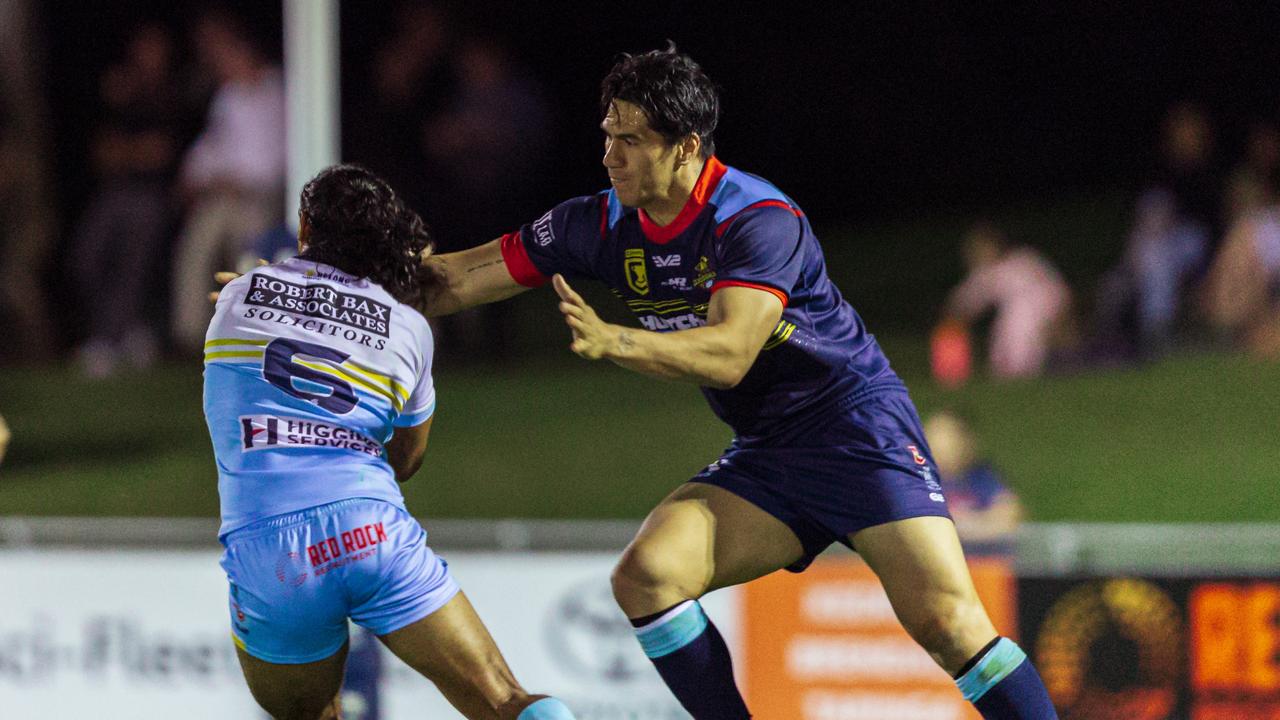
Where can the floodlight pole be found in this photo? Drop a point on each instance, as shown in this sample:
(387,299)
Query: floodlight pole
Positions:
(311,92)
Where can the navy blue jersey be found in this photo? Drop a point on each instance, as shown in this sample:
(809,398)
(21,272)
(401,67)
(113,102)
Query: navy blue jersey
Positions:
(735,230)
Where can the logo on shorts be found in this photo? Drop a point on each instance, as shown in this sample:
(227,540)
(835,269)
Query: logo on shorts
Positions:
(915,455)
(291,570)
(347,547)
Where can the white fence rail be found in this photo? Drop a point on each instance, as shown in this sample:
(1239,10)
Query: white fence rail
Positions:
(1039,549)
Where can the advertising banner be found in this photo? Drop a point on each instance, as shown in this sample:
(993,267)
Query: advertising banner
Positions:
(138,635)
(117,635)
(826,645)
(1135,648)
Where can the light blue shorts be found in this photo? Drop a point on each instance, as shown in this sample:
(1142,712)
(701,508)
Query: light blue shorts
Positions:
(296,578)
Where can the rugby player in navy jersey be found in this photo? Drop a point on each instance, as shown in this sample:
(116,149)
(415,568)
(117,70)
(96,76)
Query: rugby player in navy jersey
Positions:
(729,284)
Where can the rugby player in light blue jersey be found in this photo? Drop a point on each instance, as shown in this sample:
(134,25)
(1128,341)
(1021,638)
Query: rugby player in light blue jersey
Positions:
(319,398)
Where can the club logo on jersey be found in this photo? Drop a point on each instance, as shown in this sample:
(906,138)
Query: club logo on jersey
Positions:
(633,265)
(542,230)
(666,260)
(264,432)
(915,455)
(704,276)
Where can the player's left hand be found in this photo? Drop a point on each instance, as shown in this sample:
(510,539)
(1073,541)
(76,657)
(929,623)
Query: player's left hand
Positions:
(592,336)
(222,277)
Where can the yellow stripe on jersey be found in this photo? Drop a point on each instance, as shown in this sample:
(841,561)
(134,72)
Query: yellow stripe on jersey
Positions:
(656,303)
(340,372)
(780,334)
(232,354)
(395,387)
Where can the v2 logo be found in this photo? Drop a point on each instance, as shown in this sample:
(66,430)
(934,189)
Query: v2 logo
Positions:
(666,260)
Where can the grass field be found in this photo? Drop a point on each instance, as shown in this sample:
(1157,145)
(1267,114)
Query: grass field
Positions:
(1189,439)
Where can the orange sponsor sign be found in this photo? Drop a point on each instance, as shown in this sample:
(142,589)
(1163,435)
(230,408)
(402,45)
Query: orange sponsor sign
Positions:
(825,645)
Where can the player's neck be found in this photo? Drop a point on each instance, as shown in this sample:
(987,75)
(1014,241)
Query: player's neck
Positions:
(663,211)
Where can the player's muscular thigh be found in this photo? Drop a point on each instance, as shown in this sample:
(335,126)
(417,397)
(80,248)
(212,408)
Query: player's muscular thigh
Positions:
(699,539)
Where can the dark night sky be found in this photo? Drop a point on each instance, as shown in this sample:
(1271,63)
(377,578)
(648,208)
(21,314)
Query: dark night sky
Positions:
(857,110)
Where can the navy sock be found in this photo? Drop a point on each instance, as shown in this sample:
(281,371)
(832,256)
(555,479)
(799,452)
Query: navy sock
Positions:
(693,661)
(1003,684)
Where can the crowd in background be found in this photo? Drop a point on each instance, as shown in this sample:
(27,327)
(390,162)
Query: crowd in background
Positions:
(187,164)
(187,160)
(1200,265)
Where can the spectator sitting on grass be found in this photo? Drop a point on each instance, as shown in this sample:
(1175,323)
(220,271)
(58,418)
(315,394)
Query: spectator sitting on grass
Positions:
(984,509)
(4,437)
(1029,297)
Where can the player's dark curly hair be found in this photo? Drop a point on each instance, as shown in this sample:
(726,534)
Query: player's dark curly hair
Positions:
(359,225)
(674,92)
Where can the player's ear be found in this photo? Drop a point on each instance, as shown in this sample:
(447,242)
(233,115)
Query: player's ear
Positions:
(690,148)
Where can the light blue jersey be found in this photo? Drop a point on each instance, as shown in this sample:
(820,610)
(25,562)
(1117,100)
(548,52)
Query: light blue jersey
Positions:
(308,371)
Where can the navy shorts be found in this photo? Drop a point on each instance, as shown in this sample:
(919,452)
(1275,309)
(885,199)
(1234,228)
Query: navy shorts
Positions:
(862,463)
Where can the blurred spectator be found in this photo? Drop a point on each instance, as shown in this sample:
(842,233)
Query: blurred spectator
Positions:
(1175,225)
(27,226)
(1252,184)
(1030,299)
(408,79)
(233,175)
(485,151)
(5,435)
(122,232)
(984,509)
(486,145)
(1242,290)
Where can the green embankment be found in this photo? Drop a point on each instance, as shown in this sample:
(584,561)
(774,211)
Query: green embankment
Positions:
(1188,439)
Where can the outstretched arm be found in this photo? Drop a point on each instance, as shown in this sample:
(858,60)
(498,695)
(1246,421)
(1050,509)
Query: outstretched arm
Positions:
(455,281)
(459,280)
(739,321)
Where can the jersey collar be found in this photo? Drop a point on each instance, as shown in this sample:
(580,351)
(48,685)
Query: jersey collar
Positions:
(712,171)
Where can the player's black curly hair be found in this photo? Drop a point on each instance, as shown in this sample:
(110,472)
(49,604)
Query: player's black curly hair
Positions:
(359,225)
(674,92)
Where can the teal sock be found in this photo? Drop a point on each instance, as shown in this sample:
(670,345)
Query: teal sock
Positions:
(1002,684)
(546,709)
